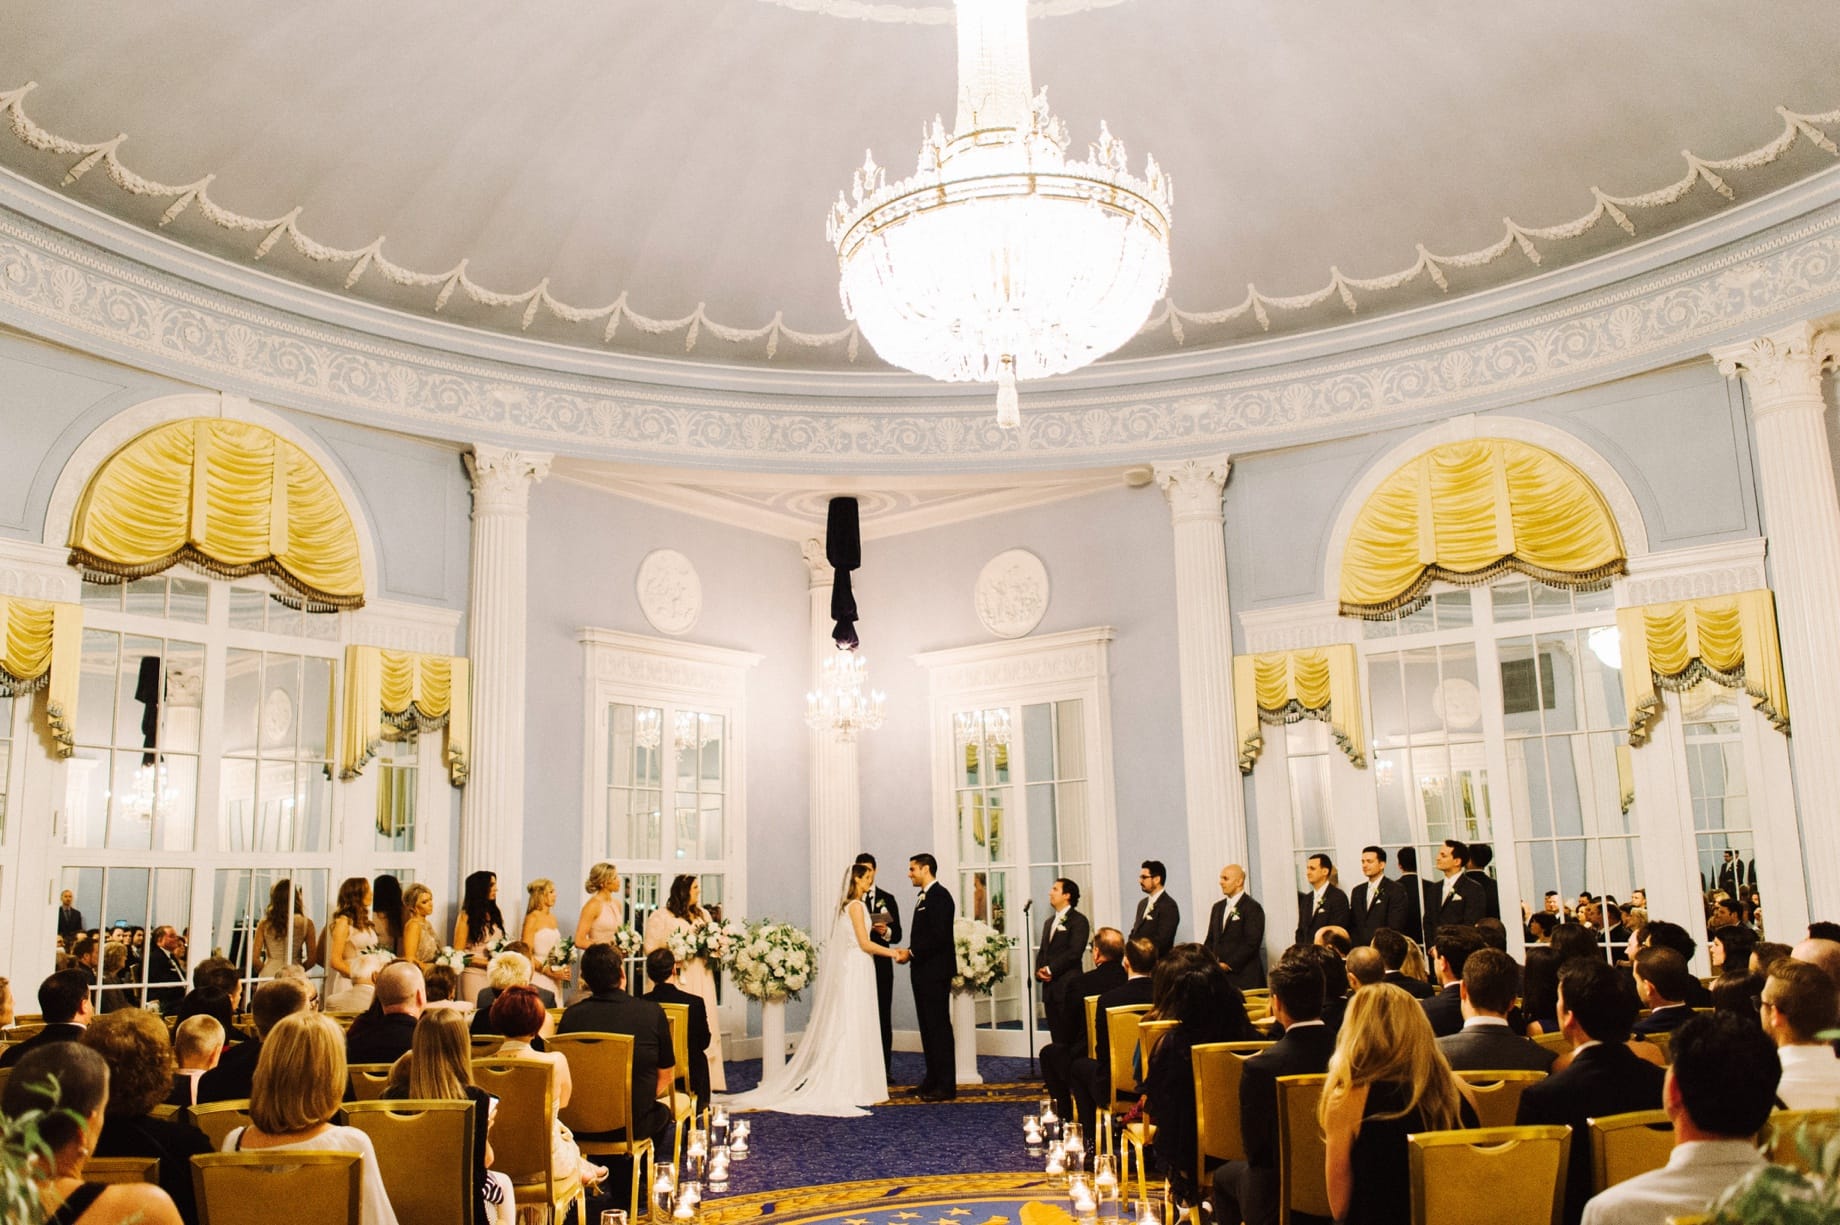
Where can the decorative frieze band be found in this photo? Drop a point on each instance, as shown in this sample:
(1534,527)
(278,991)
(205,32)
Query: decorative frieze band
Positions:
(1693,574)
(661,663)
(1293,627)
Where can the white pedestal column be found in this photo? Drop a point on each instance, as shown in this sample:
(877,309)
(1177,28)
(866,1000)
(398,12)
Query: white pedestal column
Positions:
(492,812)
(1801,517)
(836,796)
(772,1040)
(1204,644)
(965,1037)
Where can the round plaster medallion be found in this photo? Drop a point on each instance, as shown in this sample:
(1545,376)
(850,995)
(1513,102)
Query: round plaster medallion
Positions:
(670,594)
(1012,593)
(1457,703)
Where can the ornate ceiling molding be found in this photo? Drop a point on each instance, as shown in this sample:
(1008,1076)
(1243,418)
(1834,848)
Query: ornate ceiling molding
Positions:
(76,293)
(601,325)
(927,14)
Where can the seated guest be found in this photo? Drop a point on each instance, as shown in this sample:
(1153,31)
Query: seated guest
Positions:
(1366,968)
(506,969)
(440,984)
(1091,1079)
(1738,992)
(212,1002)
(1718,1092)
(1386,1080)
(1067,1024)
(1444,1010)
(519,1014)
(1393,948)
(1494,934)
(63,1000)
(1730,948)
(299,1079)
(1540,991)
(133,1042)
(1486,1043)
(1193,991)
(221,974)
(609,1009)
(1415,965)
(439,1067)
(198,1043)
(387,1037)
(1540,927)
(1799,1002)
(1597,1006)
(1662,934)
(233,1079)
(1767,954)
(115,975)
(1661,982)
(68,1083)
(661,969)
(1576,940)
(1248,1190)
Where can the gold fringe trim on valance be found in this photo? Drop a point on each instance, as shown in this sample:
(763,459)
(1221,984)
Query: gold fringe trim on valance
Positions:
(1310,683)
(405,692)
(41,647)
(229,498)
(1728,640)
(1469,512)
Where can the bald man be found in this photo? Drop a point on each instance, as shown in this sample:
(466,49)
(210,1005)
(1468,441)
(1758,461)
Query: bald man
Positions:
(1236,931)
(1365,968)
(1822,953)
(403,994)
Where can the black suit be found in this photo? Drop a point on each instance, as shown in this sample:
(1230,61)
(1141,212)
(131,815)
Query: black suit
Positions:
(1067,1031)
(233,1079)
(1249,1189)
(61,1032)
(1417,988)
(1377,905)
(1414,917)
(882,903)
(1602,1080)
(1237,940)
(172,1142)
(615,1012)
(696,1033)
(934,960)
(1491,892)
(1158,926)
(384,1039)
(1466,906)
(1445,1010)
(163,967)
(1091,1079)
(1663,1020)
(70,923)
(1312,918)
(1484,1048)
(1061,954)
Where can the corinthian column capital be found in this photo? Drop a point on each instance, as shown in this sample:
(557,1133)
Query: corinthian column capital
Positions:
(502,477)
(1781,368)
(1193,486)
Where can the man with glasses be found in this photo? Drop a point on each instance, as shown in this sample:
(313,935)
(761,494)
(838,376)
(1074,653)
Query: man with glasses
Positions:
(1157,914)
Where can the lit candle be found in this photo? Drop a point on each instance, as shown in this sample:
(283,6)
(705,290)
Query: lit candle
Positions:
(738,1143)
(1057,1159)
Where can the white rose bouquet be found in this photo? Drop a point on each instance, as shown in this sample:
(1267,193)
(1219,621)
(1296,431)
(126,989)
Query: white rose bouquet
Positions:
(451,957)
(983,956)
(562,956)
(628,940)
(703,938)
(771,961)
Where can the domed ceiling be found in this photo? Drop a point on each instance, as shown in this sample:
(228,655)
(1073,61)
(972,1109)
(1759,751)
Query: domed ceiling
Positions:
(652,177)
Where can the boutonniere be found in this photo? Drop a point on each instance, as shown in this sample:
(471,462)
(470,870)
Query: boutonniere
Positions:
(1455,896)
(1319,906)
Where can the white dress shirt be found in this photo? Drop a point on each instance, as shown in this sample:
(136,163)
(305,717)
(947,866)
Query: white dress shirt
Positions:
(1696,1174)
(1810,1078)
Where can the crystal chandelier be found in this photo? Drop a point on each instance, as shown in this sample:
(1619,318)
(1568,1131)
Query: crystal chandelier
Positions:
(986,727)
(840,705)
(999,259)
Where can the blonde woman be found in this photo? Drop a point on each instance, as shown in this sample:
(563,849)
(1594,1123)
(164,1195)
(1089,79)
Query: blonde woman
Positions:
(350,943)
(541,931)
(1386,1080)
(299,1077)
(600,918)
(1414,966)
(420,944)
(682,909)
(439,1067)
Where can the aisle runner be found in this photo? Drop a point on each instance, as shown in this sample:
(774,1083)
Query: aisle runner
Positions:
(942,1199)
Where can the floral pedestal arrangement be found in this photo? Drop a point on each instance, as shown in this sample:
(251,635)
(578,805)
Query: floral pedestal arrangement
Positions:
(983,962)
(770,962)
(964,1037)
(772,1038)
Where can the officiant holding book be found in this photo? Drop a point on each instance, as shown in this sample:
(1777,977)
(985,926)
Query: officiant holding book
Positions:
(885,930)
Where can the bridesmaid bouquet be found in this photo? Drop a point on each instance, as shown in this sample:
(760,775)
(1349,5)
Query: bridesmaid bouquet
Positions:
(562,956)
(704,938)
(983,956)
(627,939)
(453,958)
(771,961)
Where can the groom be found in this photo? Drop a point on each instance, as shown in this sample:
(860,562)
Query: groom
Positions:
(932,956)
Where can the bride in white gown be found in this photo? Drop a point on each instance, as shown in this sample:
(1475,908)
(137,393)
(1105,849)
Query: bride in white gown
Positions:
(837,1069)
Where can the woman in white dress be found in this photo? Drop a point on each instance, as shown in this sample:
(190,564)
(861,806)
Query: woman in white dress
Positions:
(350,947)
(683,909)
(542,934)
(837,1069)
(284,939)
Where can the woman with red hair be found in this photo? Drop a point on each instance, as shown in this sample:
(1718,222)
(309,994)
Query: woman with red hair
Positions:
(518,1014)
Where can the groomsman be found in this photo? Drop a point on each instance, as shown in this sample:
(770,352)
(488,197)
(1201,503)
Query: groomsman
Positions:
(1376,901)
(885,930)
(1414,888)
(1157,914)
(932,956)
(1476,863)
(1063,944)
(1323,905)
(1460,901)
(1236,931)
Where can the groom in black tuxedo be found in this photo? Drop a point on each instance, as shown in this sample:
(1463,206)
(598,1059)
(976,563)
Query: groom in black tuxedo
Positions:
(885,930)
(933,957)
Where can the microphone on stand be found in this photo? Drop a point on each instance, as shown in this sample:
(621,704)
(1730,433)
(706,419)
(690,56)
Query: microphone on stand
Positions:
(1028,906)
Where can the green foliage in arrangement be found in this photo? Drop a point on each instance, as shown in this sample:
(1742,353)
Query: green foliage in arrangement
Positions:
(1780,1195)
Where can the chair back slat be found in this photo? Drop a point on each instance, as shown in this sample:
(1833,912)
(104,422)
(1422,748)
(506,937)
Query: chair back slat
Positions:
(485,1046)
(1218,1136)
(679,1017)
(526,1103)
(1498,1093)
(368,1080)
(112,1171)
(249,1188)
(1624,1145)
(1302,1183)
(1784,1126)
(217,1120)
(425,1156)
(1092,1027)
(1523,1169)
(1558,1044)
(603,1061)
(1121,1037)
(1149,1035)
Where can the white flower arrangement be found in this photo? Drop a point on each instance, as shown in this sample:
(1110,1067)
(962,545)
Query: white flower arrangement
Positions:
(703,938)
(628,940)
(983,956)
(453,958)
(771,961)
(562,956)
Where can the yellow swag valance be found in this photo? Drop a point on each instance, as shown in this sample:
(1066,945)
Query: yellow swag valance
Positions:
(1467,512)
(1730,640)
(227,497)
(409,692)
(41,647)
(1285,686)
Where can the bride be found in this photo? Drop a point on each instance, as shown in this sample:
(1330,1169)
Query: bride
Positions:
(837,1069)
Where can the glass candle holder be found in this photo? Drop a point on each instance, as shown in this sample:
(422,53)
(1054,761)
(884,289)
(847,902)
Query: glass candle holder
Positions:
(718,1170)
(1105,1186)
(1057,1163)
(664,1192)
(739,1131)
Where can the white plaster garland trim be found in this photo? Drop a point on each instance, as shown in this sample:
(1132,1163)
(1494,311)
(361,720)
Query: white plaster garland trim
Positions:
(670,593)
(1012,593)
(183,196)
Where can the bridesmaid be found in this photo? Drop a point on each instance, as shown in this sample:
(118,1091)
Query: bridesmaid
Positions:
(682,909)
(419,942)
(478,926)
(350,939)
(541,932)
(600,918)
(387,911)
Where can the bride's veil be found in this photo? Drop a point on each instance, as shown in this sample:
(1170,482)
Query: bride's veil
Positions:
(843,895)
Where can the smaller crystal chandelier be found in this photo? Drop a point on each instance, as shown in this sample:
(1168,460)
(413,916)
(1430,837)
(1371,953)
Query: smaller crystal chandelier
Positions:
(840,705)
(690,730)
(647,728)
(986,727)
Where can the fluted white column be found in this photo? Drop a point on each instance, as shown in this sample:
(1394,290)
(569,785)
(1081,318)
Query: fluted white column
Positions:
(1801,517)
(836,796)
(492,813)
(1204,645)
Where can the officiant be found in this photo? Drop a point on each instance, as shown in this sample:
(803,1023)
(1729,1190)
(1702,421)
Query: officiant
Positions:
(885,930)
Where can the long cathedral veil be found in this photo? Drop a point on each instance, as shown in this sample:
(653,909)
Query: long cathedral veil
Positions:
(843,897)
